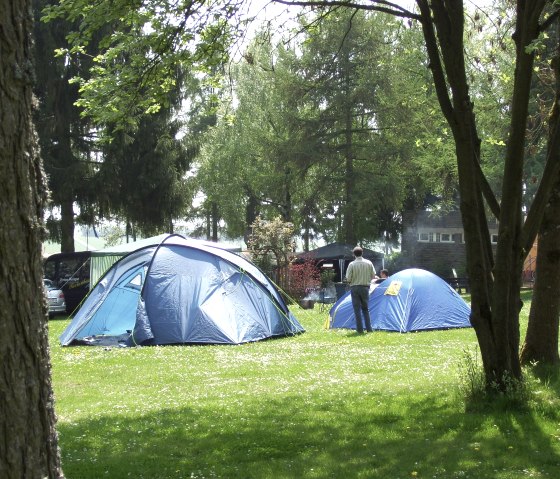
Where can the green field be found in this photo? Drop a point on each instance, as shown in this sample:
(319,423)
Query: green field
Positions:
(324,404)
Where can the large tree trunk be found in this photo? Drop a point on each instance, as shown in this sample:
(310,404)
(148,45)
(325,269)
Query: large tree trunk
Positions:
(495,285)
(28,440)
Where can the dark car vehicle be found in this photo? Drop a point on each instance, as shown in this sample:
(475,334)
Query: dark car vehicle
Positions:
(69,272)
(55,298)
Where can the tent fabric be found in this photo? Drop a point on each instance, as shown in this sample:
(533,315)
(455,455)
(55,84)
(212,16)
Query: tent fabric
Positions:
(103,259)
(411,300)
(181,291)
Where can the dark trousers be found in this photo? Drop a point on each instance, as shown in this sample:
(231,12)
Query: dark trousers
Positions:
(360,297)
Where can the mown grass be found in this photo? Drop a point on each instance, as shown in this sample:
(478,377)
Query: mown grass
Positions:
(324,404)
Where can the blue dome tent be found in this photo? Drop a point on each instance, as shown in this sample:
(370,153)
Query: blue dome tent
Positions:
(410,300)
(181,291)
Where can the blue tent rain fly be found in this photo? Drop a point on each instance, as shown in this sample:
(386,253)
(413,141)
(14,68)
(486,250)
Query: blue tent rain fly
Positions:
(410,300)
(181,291)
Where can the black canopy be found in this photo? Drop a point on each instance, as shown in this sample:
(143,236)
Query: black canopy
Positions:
(340,254)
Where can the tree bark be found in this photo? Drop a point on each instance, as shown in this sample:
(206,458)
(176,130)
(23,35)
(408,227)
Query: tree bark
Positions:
(28,440)
(215,222)
(495,297)
(251,213)
(349,182)
(541,340)
(67,226)
(495,293)
(509,251)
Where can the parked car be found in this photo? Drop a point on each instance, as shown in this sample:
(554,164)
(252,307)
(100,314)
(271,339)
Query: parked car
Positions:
(70,271)
(55,298)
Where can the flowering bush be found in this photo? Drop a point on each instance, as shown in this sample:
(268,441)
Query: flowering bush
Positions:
(303,279)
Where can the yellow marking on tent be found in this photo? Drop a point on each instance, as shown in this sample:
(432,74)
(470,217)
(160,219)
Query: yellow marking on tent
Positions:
(394,288)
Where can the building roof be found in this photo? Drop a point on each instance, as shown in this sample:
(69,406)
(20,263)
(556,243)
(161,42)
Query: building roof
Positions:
(337,250)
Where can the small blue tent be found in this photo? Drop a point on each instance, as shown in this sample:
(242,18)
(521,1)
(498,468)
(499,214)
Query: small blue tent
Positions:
(411,300)
(181,291)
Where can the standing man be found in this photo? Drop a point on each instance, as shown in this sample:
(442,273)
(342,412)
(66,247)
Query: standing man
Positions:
(359,275)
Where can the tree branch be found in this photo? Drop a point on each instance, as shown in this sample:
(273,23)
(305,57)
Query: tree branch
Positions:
(549,179)
(435,65)
(554,16)
(378,6)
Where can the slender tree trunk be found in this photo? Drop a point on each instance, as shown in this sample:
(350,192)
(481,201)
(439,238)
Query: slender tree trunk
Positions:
(349,182)
(541,340)
(307,227)
(251,214)
(287,207)
(506,300)
(215,219)
(28,440)
(495,293)
(129,232)
(65,193)
(67,226)
(55,119)
(208,227)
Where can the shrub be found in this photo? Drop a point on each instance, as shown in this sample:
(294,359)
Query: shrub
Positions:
(303,278)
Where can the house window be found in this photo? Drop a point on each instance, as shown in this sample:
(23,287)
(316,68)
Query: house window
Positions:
(425,237)
(445,238)
(494,239)
(458,238)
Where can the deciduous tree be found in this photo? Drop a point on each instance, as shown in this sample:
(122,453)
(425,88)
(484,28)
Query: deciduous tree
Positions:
(63,133)
(541,340)
(28,440)
(495,281)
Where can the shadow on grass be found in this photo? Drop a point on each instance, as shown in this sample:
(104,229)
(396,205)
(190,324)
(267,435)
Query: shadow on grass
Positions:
(297,437)
(548,374)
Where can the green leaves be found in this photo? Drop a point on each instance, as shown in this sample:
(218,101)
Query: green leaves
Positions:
(141,45)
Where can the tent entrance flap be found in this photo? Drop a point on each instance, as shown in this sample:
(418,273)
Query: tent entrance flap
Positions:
(117,313)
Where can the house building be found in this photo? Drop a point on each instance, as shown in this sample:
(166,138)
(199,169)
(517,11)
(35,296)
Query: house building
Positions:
(436,242)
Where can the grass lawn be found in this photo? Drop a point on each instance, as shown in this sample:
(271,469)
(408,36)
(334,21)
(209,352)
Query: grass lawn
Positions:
(324,404)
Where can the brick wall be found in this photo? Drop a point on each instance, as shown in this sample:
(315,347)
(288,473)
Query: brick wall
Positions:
(434,255)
